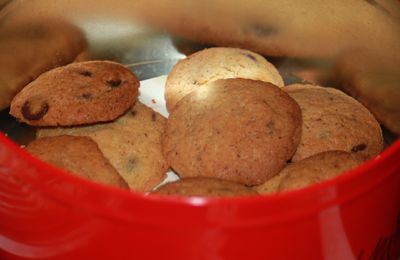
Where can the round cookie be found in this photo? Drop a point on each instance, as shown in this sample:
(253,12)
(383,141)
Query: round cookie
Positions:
(234,129)
(132,144)
(78,155)
(204,187)
(79,93)
(317,168)
(333,120)
(216,63)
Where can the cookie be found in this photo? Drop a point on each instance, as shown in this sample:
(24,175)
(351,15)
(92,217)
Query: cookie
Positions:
(317,168)
(216,63)
(78,155)
(239,130)
(373,79)
(204,187)
(314,169)
(79,93)
(30,47)
(333,120)
(271,185)
(281,27)
(132,144)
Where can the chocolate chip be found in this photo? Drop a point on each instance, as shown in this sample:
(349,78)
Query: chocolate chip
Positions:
(251,57)
(114,82)
(153,116)
(133,112)
(358,148)
(261,30)
(33,110)
(85,73)
(87,96)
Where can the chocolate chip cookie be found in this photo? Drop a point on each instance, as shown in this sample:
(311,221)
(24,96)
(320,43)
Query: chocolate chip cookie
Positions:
(132,144)
(204,187)
(333,120)
(216,63)
(78,155)
(239,130)
(79,93)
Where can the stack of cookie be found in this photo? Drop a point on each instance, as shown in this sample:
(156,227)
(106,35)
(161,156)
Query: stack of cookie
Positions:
(234,129)
(232,119)
(89,118)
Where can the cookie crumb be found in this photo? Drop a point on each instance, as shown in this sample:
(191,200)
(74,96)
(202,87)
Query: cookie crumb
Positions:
(85,73)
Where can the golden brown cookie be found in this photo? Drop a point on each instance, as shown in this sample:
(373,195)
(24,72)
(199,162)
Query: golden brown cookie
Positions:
(333,120)
(317,168)
(132,144)
(314,169)
(234,129)
(204,187)
(271,185)
(78,155)
(79,93)
(279,27)
(216,63)
(30,47)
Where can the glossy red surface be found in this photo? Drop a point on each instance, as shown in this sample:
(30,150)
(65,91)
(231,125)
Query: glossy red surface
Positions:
(47,213)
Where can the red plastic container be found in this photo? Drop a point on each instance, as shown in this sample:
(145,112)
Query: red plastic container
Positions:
(47,213)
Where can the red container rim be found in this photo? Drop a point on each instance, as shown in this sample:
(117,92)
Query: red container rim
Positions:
(122,205)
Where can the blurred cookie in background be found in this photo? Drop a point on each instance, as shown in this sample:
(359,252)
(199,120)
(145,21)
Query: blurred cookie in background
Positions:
(374,80)
(29,47)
